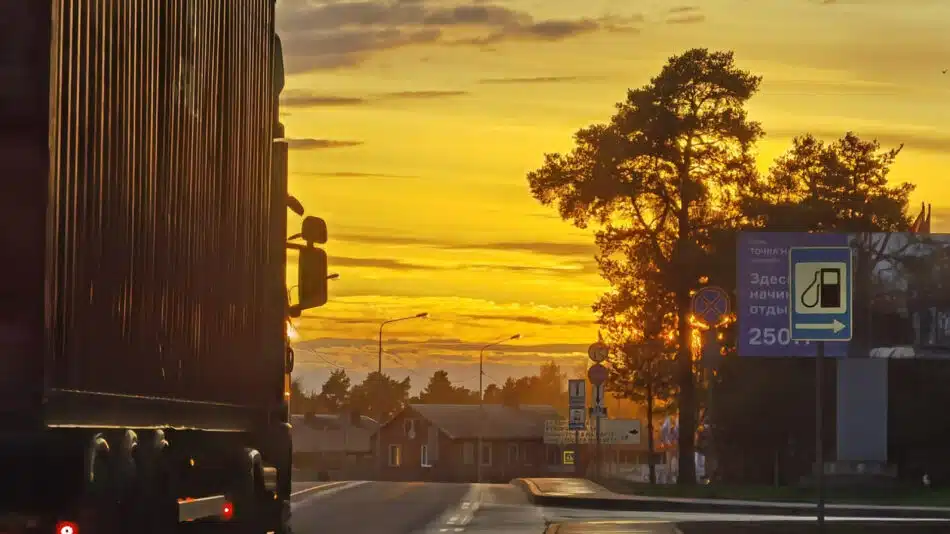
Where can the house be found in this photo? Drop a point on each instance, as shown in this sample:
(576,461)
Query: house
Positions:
(336,446)
(438,442)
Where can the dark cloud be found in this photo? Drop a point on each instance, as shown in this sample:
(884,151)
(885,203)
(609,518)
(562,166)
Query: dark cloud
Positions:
(685,15)
(307,99)
(539,247)
(924,142)
(303,99)
(349,174)
(534,79)
(399,265)
(380,263)
(346,33)
(686,19)
(528,319)
(423,95)
(309,143)
(683,9)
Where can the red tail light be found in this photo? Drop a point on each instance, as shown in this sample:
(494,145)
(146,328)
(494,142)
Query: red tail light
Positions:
(227,511)
(67,527)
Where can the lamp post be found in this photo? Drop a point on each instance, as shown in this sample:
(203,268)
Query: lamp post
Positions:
(481,403)
(379,426)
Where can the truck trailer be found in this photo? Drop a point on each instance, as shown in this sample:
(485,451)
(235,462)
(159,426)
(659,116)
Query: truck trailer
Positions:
(144,359)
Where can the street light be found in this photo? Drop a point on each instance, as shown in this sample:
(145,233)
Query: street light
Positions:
(379,427)
(481,403)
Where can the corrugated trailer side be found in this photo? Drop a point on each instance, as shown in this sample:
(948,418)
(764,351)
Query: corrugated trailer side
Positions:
(164,268)
(24,166)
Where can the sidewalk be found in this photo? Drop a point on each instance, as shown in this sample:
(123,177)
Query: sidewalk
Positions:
(582,493)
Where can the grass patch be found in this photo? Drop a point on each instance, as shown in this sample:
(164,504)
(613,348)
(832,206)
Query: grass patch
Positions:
(907,496)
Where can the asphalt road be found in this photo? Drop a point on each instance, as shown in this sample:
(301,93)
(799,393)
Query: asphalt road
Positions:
(430,508)
(416,508)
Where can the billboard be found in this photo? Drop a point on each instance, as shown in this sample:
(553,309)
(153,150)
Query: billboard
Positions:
(901,295)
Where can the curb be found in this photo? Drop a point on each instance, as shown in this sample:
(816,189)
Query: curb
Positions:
(654,504)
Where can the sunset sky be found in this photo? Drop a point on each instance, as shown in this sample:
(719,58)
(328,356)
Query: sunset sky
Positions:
(414,123)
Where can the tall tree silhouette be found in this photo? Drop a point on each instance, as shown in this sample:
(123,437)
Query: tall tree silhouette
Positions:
(440,390)
(380,396)
(662,173)
(335,393)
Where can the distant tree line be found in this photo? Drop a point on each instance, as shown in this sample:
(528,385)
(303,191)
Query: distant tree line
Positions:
(666,183)
(380,394)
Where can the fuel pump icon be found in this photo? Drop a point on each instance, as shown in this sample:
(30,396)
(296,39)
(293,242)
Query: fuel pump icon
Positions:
(824,291)
(820,293)
(821,288)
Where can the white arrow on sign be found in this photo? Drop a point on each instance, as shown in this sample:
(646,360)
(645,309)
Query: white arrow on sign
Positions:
(623,431)
(835,326)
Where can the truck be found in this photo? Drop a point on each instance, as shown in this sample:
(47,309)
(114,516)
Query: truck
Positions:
(144,357)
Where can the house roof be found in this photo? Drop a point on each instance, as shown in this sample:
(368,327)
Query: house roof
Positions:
(330,421)
(461,421)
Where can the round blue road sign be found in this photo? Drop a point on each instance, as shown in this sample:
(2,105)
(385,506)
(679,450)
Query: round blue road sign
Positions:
(711,303)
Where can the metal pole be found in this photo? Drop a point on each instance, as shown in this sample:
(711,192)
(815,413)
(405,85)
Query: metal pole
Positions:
(819,444)
(380,414)
(481,416)
(599,452)
(379,425)
(481,403)
(577,452)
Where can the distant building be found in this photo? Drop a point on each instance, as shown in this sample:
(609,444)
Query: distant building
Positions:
(336,446)
(439,442)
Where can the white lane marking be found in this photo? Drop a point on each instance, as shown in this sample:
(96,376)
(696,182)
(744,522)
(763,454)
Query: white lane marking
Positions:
(325,493)
(556,514)
(460,514)
(316,487)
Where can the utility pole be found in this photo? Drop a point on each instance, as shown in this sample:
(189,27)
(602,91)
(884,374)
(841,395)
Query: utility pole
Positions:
(481,404)
(380,414)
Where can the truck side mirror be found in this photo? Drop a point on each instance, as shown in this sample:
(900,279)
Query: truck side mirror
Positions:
(312,278)
(313,230)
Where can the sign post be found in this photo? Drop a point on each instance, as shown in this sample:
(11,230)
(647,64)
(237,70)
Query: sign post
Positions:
(577,408)
(597,374)
(820,309)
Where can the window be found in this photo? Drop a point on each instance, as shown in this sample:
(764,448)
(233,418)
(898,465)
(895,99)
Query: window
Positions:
(486,453)
(424,456)
(395,456)
(512,453)
(468,453)
(409,425)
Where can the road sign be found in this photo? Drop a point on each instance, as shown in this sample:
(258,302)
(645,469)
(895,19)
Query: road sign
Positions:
(597,374)
(711,303)
(763,300)
(600,392)
(598,352)
(612,432)
(577,418)
(577,403)
(820,295)
(621,431)
(577,392)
